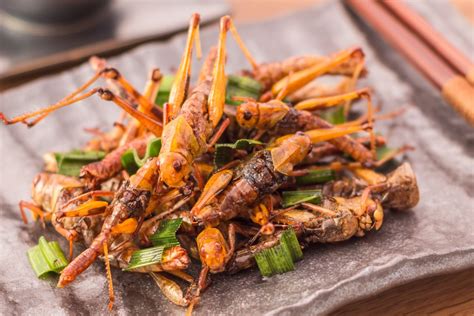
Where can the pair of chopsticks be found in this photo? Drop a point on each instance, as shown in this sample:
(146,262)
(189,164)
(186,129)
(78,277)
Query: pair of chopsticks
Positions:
(447,68)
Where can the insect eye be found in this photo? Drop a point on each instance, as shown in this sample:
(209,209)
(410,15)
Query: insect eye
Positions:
(177,166)
(247,115)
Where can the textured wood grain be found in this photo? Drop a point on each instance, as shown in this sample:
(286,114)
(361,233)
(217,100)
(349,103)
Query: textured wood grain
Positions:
(459,93)
(466,7)
(451,294)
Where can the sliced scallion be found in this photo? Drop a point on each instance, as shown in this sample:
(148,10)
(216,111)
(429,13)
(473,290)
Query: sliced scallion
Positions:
(291,198)
(166,234)
(242,86)
(164,238)
(244,82)
(46,257)
(224,152)
(164,91)
(70,163)
(280,258)
(334,115)
(290,241)
(131,161)
(383,151)
(316,176)
(145,257)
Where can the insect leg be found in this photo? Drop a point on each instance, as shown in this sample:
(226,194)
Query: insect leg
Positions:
(89,195)
(35,209)
(216,99)
(198,176)
(231,236)
(216,183)
(144,104)
(218,133)
(351,84)
(128,226)
(181,82)
(69,97)
(153,85)
(150,123)
(242,46)
(303,77)
(69,234)
(320,135)
(109,276)
(393,154)
(281,95)
(46,110)
(166,113)
(86,209)
(325,102)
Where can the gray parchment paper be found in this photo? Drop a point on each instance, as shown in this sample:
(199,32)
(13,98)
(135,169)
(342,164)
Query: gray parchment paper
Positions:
(435,237)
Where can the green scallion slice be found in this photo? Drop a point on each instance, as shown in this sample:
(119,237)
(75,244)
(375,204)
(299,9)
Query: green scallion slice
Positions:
(280,258)
(164,238)
(224,152)
(166,234)
(242,86)
(290,241)
(165,89)
(145,257)
(245,83)
(70,163)
(383,151)
(291,198)
(131,161)
(46,257)
(316,176)
(334,115)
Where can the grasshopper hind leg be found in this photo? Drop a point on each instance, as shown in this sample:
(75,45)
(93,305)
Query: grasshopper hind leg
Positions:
(35,210)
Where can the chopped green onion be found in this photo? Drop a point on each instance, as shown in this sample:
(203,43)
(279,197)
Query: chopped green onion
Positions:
(275,260)
(242,86)
(334,115)
(38,262)
(245,83)
(290,241)
(164,238)
(131,160)
(291,198)
(224,152)
(166,234)
(238,92)
(70,163)
(383,151)
(316,176)
(280,259)
(46,257)
(164,91)
(145,257)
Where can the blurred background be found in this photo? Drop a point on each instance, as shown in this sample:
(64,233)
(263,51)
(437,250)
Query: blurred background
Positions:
(43,36)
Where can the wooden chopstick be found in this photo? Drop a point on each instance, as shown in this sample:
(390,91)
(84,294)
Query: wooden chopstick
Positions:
(455,89)
(436,41)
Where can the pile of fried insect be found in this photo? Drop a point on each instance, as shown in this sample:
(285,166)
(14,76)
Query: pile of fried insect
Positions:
(233,171)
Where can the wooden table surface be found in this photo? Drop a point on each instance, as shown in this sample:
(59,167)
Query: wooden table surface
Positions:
(450,294)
